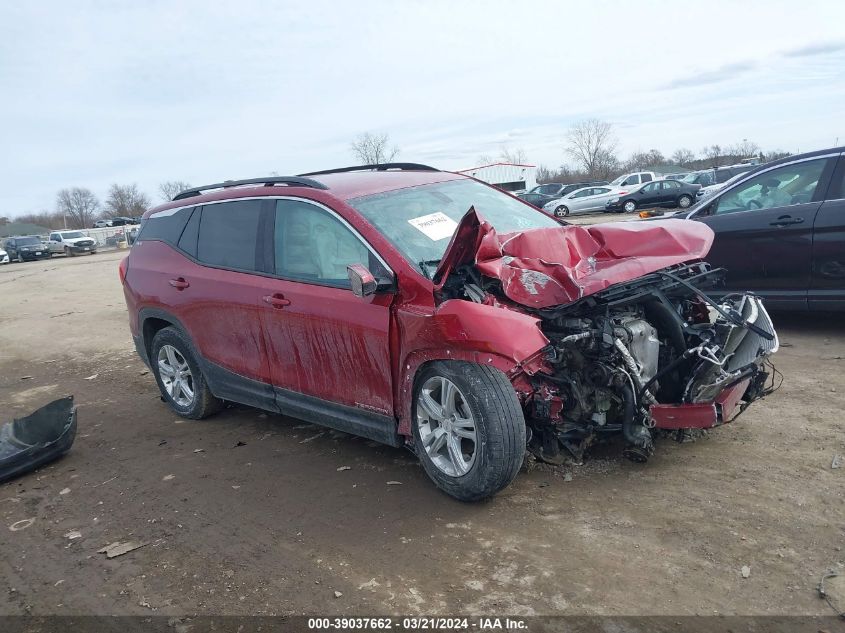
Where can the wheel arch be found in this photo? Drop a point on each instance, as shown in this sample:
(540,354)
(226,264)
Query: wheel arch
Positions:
(153,320)
(504,339)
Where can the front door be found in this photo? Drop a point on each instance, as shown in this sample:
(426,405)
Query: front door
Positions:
(324,342)
(764,231)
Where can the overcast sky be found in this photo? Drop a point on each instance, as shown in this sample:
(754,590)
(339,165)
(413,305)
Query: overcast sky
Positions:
(93,93)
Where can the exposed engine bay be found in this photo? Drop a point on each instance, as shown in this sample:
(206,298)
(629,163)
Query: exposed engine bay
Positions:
(652,353)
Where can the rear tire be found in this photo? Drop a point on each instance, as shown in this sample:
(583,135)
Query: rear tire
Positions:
(486,407)
(684,201)
(171,342)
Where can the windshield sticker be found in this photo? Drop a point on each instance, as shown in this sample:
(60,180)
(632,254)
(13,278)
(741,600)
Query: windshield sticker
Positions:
(435,226)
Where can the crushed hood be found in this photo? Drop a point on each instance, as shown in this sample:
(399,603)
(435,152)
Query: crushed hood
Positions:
(546,267)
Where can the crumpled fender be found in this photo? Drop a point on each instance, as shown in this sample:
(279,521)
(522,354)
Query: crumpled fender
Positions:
(461,330)
(554,266)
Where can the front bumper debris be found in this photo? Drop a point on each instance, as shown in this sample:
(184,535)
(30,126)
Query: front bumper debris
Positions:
(42,436)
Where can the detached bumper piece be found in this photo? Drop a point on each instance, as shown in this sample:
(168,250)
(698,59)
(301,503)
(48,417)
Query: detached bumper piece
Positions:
(700,416)
(39,438)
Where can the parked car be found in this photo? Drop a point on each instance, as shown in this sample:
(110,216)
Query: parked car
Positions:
(123,221)
(660,193)
(101,224)
(709,177)
(780,231)
(71,243)
(25,248)
(711,189)
(4,257)
(425,309)
(541,195)
(581,201)
(635,178)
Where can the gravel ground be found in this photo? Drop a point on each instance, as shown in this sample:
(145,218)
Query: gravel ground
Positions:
(250,512)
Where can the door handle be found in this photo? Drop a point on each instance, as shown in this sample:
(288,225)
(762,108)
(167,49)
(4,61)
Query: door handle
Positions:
(786,220)
(179,283)
(277,301)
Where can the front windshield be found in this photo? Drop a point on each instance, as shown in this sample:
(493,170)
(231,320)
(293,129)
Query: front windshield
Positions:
(28,241)
(72,234)
(420,220)
(618,181)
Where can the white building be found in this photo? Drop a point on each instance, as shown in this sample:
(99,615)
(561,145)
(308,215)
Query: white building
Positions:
(507,176)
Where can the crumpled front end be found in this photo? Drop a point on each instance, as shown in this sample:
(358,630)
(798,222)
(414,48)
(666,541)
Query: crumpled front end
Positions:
(641,349)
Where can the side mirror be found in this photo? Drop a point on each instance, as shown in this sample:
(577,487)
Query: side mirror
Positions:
(362,280)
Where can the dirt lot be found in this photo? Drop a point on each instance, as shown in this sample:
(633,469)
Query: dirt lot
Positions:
(248,512)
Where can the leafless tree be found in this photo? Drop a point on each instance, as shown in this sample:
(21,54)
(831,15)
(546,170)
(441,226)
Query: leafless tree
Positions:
(168,190)
(746,149)
(593,147)
(713,154)
(641,160)
(78,207)
(4,220)
(683,157)
(373,149)
(126,200)
(516,156)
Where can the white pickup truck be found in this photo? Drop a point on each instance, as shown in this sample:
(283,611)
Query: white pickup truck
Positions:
(71,243)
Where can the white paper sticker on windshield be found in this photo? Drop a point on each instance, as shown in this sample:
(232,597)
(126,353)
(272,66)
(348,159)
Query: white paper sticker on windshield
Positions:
(435,226)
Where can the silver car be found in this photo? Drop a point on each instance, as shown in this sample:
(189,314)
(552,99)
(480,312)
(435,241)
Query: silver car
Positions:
(580,201)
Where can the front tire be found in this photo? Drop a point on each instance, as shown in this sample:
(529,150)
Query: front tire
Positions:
(629,207)
(562,211)
(469,431)
(179,378)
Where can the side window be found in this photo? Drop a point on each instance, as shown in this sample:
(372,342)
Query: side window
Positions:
(55,237)
(190,235)
(631,180)
(600,191)
(646,177)
(313,245)
(228,234)
(782,187)
(165,226)
(582,194)
(670,185)
(650,188)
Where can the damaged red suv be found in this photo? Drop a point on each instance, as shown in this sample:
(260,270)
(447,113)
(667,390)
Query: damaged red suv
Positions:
(426,309)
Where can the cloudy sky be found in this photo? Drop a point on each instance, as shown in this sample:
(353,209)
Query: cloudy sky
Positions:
(93,93)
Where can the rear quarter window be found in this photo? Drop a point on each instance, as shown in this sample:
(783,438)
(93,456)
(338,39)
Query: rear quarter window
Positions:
(165,226)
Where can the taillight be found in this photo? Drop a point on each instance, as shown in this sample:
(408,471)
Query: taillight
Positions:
(121,269)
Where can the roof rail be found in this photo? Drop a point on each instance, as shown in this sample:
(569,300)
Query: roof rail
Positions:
(269,181)
(375,167)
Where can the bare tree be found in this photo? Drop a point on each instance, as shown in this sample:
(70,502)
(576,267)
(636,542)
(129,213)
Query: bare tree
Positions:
(593,147)
(683,157)
(373,149)
(516,156)
(77,206)
(126,200)
(169,189)
(641,160)
(746,149)
(713,154)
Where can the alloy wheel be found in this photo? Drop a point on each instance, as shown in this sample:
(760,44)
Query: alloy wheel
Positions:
(446,426)
(176,375)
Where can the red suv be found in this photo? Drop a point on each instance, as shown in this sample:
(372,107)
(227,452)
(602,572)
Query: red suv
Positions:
(426,309)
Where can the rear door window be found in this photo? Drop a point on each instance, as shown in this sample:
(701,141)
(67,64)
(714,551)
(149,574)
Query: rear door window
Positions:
(646,177)
(228,235)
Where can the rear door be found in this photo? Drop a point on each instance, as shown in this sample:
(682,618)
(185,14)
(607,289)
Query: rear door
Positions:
(764,230)
(324,342)
(217,295)
(827,288)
